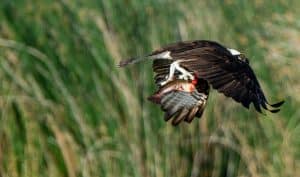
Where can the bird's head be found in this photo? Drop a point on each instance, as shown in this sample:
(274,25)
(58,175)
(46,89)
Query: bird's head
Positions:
(238,55)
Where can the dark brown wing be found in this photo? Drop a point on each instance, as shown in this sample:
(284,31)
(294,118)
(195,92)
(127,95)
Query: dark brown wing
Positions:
(181,105)
(227,74)
(178,51)
(214,63)
(161,68)
(175,48)
(182,46)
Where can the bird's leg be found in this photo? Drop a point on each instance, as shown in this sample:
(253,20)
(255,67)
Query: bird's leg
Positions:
(171,73)
(184,73)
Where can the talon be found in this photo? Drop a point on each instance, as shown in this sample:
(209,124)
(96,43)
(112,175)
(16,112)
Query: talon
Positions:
(173,67)
(186,76)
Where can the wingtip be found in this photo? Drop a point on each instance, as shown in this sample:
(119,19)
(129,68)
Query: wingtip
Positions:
(275,110)
(167,116)
(130,61)
(123,63)
(155,98)
(276,105)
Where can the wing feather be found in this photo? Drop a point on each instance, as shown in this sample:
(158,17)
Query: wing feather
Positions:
(182,105)
(192,114)
(180,116)
(230,76)
(215,64)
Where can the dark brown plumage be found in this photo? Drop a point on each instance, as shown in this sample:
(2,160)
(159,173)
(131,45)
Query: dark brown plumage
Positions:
(226,70)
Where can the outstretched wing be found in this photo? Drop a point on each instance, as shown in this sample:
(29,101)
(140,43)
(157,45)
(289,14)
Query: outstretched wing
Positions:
(227,74)
(213,62)
(181,105)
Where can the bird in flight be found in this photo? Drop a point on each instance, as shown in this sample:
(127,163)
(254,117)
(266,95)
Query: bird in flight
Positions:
(186,70)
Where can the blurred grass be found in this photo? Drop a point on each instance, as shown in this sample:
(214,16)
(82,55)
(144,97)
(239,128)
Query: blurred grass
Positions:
(67,110)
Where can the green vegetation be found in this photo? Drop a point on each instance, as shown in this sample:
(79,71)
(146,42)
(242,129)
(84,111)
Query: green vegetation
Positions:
(67,110)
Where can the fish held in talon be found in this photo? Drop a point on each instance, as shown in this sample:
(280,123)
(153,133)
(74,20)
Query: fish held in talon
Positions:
(185,71)
(176,85)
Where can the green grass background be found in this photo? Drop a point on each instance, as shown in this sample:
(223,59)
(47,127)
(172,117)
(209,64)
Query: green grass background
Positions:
(67,110)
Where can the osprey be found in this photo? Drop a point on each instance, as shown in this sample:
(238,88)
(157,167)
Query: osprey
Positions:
(185,71)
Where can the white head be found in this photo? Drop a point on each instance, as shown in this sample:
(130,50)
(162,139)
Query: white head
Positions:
(234,52)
